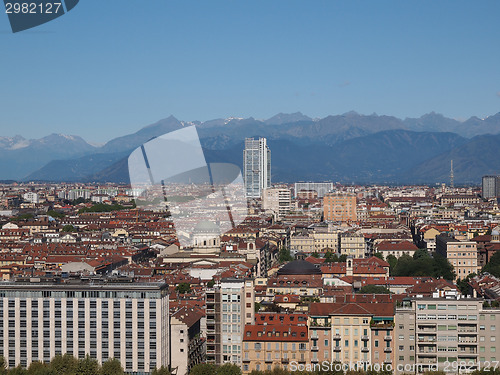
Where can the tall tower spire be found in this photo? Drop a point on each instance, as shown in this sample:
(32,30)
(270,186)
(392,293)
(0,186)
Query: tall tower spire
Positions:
(452,175)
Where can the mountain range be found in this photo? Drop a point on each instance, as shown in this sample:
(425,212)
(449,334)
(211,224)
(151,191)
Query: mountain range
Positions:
(346,148)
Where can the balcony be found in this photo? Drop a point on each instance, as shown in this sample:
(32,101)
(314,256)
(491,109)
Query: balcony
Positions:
(387,349)
(427,361)
(365,349)
(427,339)
(337,349)
(365,338)
(336,337)
(388,338)
(427,351)
(315,348)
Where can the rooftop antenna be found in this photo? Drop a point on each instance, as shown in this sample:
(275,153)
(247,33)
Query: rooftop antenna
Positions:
(452,175)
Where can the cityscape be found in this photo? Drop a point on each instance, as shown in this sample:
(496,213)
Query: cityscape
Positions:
(318,276)
(279,187)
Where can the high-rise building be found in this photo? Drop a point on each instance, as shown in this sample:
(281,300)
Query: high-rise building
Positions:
(491,187)
(256,166)
(126,321)
(431,333)
(230,305)
(339,207)
(278,200)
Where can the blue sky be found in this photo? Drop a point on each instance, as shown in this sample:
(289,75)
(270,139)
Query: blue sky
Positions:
(109,67)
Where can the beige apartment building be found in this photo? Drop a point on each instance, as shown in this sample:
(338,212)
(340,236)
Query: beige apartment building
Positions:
(274,345)
(353,244)
(461,254)
(438,333)
(352,332)
(340,207)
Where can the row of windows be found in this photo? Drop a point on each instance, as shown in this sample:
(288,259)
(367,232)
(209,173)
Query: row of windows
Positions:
(81,304)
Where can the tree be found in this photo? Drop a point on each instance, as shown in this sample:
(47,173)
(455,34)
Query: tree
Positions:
(3,366)
(493,266)
(421,254)
(55,214)
(211,284)
(379,255)
(203,369)
(68,228)
(19,370)
(343,258)
(331,257)
(284,255)
(64,364)
(113,367)
(87,366)
(393,261)
(39,368)
(257,307)
(183,288)
(228,369)
(161,371)
(463,284)
(315,255)
(374,289)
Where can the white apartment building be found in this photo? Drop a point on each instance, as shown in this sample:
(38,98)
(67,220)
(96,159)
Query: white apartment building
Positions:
(126,321)
(277,200)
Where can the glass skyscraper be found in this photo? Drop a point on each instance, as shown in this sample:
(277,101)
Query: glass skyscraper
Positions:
(256,166)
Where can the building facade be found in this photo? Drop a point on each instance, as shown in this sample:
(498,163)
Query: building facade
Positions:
(229,306)
(491,187)
(439,333)
(256,167)
(125,321)
(340,207)
(277,200)
(322,188)
(461,254)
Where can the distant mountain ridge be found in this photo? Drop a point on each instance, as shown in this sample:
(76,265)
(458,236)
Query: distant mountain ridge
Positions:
(348,147)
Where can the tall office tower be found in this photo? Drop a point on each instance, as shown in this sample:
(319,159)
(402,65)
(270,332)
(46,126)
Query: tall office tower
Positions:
(491,186)
(230,305)
(126,321)
(339,207)
(256,166)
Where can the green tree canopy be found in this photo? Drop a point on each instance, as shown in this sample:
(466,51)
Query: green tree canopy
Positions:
(68,228)
(113,367)
(87,366)
(284,255)
(493,266)
(228,369)
(203,369)
(183,288)
(161,371)
(331,257)
(64,364)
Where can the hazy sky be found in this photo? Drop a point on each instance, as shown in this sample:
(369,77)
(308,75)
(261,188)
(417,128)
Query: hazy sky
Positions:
(109,67)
